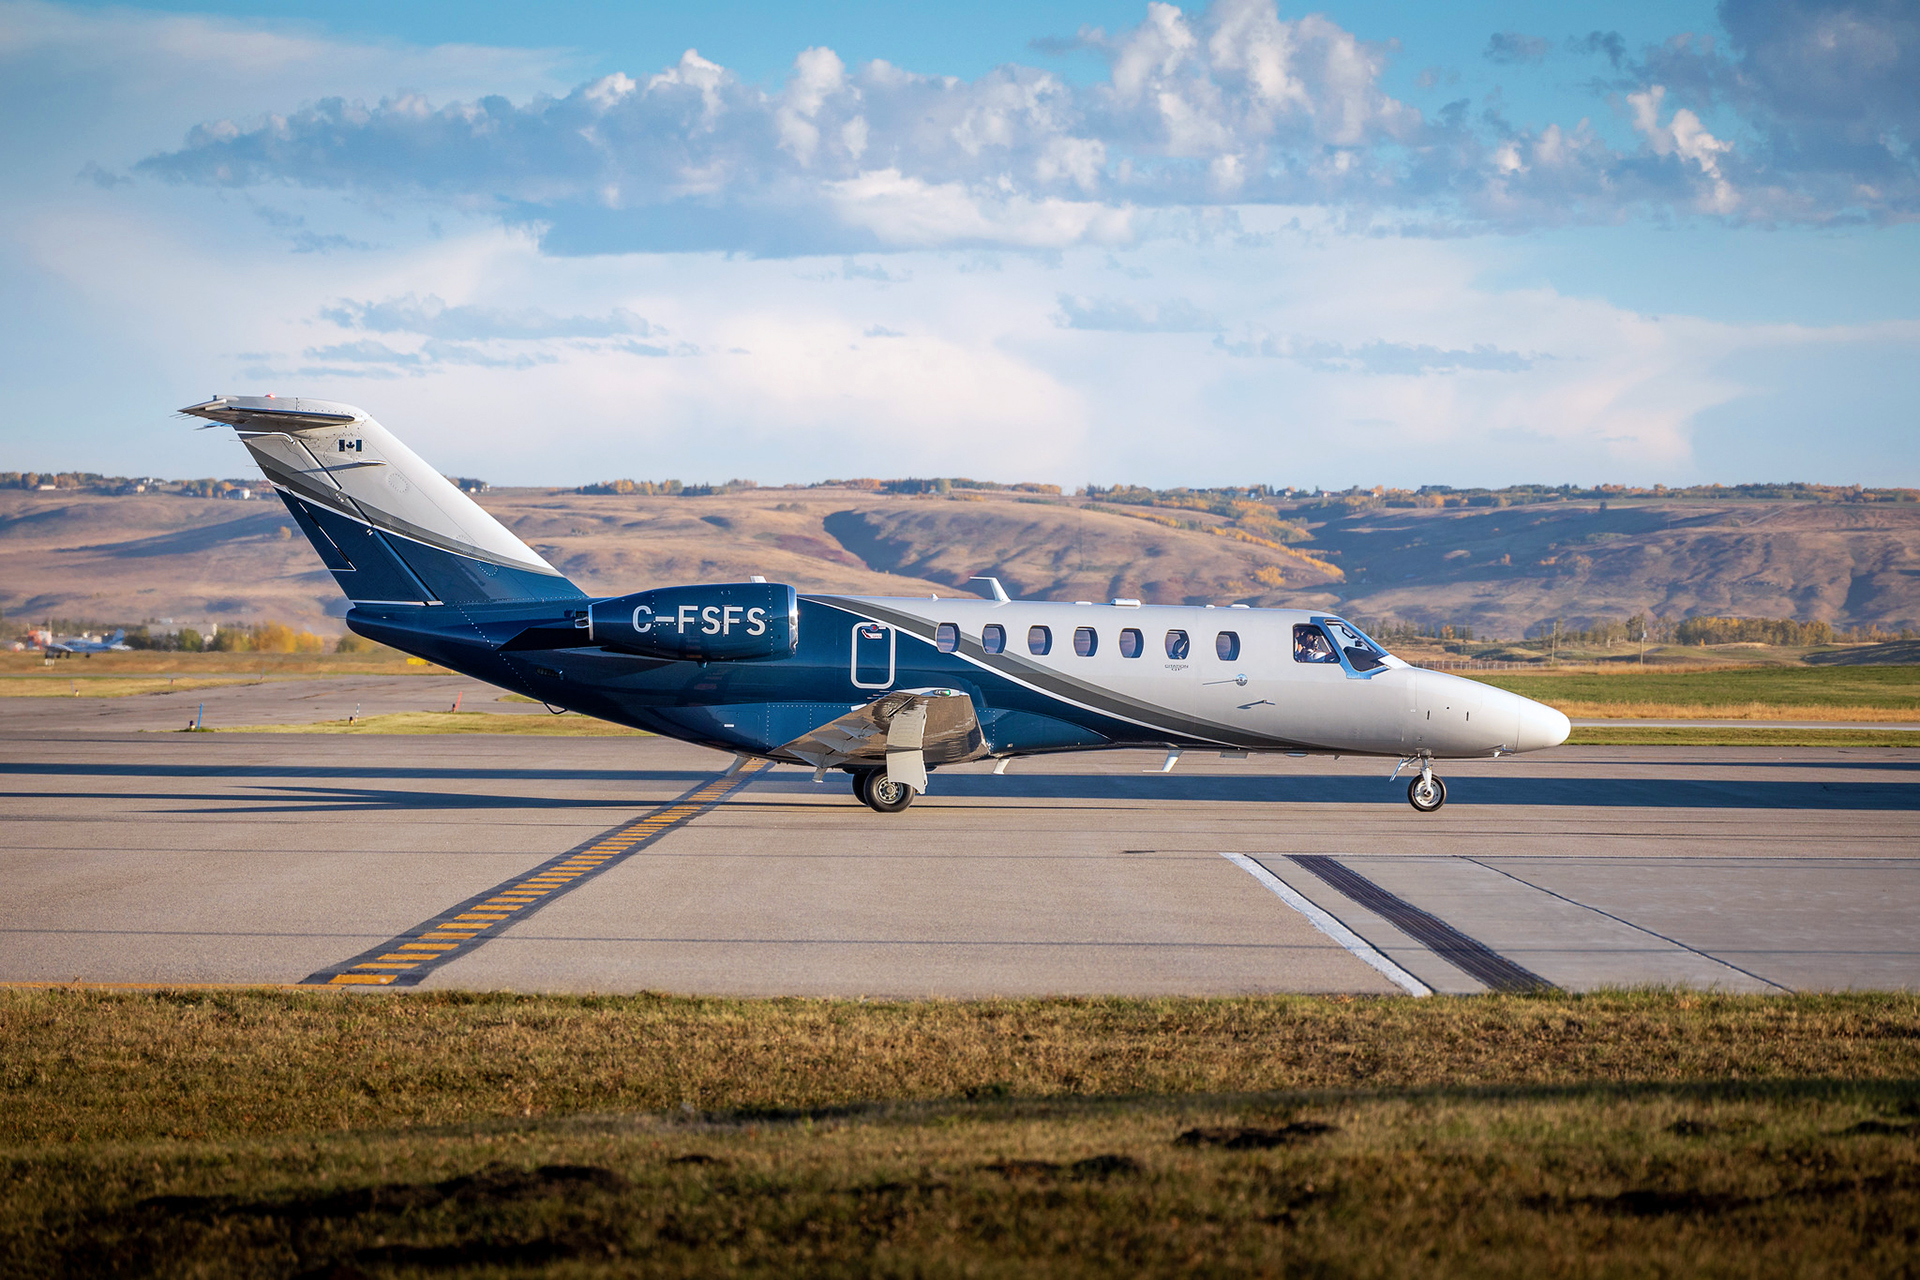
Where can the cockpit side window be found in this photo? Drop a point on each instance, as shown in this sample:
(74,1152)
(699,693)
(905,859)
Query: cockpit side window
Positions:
(1310,644)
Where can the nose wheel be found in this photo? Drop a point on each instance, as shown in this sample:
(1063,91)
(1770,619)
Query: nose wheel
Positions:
(880,793)
(1426,792)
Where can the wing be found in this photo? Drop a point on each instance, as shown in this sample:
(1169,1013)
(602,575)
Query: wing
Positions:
(903,732)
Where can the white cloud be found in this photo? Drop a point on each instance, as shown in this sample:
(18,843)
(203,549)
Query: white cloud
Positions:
(1684,136)
(1134,315)
(1230,105)
(904,213)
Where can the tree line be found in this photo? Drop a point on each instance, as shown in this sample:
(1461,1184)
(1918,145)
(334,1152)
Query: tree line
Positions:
(259,637)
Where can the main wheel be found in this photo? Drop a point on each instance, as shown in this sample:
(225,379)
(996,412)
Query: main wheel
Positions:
(860,778)
(885,795)
(1426,794)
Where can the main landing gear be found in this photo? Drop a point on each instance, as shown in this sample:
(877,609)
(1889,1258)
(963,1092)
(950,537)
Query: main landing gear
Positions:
(880,793)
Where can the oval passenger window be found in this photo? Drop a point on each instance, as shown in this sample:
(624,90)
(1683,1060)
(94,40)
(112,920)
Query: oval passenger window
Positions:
(1177,644)
(1227,645)
(1085,642)
(1039,641)
(993,638)
(1131,645)
(946,637)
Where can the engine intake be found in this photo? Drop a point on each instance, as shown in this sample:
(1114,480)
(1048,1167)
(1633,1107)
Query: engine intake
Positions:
(727,621)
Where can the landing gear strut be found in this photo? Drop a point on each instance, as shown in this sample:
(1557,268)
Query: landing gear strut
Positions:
(1426,792)
(880,793)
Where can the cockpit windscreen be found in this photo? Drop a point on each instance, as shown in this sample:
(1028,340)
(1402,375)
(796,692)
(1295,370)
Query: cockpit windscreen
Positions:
(1361,652)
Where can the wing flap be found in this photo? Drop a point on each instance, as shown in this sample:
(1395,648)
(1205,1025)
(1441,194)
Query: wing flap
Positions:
(902,732)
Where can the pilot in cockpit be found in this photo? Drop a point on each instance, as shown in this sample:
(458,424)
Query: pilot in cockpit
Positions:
(1310,644)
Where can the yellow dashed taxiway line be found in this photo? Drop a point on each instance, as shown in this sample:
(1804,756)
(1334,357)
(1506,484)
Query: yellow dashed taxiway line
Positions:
(404,960)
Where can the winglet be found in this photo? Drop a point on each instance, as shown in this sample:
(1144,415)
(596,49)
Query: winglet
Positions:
(993,584)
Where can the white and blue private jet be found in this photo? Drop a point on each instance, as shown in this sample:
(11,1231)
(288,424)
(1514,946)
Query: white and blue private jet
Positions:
(886,689)
(85,647)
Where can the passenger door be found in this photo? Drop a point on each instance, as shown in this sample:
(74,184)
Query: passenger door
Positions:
(873,649)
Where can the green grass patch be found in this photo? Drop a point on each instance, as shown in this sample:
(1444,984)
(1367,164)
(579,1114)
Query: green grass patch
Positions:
(1641,736)
(252,1132)
(566,725)
(1838,686)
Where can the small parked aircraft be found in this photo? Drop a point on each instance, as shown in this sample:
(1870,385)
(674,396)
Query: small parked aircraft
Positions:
(886,689)
(84,647)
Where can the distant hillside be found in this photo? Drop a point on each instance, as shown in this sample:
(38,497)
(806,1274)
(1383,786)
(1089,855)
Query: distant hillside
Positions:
(1507,569)
(1501,569)
(133,557)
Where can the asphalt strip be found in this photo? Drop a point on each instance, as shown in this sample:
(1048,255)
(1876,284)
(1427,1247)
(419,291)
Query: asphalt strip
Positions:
(1332,927)
(407,958)
(1469,955)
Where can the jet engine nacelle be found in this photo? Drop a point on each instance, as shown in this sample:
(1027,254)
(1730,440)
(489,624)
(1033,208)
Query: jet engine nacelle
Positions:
(728,621)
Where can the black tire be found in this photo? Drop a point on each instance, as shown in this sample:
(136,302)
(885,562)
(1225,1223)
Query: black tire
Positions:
(860,778)
(884,796)
(1426,794)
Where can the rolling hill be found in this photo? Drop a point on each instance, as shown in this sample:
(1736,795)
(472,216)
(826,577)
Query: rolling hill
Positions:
(134,557)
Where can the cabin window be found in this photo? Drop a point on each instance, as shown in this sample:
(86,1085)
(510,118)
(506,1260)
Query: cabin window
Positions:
(1310,644)
(1177,644)
(946,637)
(1131,644)
(1085,642)
(1227,645)
(1039,641)
(993,638)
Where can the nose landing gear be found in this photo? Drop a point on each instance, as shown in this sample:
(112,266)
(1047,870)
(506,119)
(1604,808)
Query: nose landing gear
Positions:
(1426,792)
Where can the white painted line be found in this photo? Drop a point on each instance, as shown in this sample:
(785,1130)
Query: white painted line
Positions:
(1326,924)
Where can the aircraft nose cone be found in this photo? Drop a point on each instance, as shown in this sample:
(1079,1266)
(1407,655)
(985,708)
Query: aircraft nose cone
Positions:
(1540,726)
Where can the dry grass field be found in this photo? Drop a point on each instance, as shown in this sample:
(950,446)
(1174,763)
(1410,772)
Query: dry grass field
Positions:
(163,666)
(252,1133)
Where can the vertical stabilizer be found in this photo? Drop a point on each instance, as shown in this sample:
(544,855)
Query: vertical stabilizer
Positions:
(391,528)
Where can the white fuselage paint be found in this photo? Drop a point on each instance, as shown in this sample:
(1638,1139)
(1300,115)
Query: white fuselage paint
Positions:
(1262,699)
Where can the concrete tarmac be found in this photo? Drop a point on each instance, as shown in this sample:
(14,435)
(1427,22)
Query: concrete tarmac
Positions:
(197,858)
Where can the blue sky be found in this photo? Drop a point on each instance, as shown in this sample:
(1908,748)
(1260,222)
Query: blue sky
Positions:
(1075,241)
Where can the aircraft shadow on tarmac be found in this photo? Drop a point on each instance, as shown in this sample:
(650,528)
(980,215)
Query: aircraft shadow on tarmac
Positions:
(349,789)
(1629,793)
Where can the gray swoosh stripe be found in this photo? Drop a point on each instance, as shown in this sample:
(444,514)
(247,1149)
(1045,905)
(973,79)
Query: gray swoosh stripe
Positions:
(1067,688)
(353,508)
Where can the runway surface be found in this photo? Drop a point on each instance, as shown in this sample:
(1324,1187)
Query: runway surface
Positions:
(562,864)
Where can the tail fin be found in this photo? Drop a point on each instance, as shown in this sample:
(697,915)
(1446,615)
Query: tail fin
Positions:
(391,528)
(116,638)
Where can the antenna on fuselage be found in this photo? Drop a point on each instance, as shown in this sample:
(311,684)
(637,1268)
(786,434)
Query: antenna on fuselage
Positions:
(993,584)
